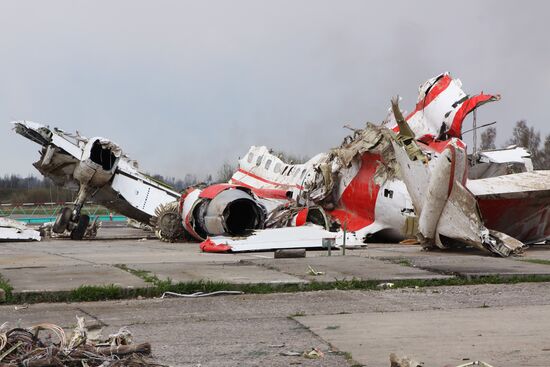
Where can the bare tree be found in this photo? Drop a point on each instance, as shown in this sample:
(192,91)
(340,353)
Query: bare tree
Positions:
(488,138)
(225,172)
(289,157)
(545,154)
(189,180)
(527,137)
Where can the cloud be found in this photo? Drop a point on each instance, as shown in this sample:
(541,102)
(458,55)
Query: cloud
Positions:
(184,86)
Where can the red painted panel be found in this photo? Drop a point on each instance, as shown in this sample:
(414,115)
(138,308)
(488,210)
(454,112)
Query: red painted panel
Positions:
(465,108)
(210,246)
(527,219)
(211,191)
(301,217)
(357,204)
(436,89)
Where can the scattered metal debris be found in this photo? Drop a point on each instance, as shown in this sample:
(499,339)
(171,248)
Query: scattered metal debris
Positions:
(386,285)
(12,230)
(46,345)
(291,353)
(314,353)
(132,223)
(395,361)
(46,230)
(200,294)
(311,271)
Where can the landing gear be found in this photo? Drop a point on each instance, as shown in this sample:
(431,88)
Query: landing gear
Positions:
(70,219)
(78,232)
(62,220)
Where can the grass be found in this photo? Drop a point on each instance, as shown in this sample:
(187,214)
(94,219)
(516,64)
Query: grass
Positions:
(403,262)
(158,287)
(6,287)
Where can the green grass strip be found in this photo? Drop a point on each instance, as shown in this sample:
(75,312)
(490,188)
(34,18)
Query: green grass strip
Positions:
(158,287)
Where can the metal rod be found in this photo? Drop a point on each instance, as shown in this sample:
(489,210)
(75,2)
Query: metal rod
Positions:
(344,240)
(479,127)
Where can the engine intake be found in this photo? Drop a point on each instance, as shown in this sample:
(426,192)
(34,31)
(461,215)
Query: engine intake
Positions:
(229,211)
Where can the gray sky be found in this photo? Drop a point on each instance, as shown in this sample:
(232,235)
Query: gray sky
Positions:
(183,86)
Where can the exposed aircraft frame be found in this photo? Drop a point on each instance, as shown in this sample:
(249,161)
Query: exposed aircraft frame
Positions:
(97,168)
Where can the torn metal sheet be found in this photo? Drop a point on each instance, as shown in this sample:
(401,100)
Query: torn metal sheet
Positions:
(441,108)
(499,162)
(12,230)
(516,204)
(307,236)
(448,212)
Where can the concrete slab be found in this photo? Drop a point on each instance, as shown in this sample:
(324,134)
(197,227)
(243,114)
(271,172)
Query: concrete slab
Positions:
(345,267)
(475,266)
(541,252)
(237,273)
(439,338)
(60,251)
(64,278)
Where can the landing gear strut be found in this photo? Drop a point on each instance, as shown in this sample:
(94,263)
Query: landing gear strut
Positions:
(70,219)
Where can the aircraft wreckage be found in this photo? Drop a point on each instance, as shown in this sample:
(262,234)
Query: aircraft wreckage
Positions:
(409,177)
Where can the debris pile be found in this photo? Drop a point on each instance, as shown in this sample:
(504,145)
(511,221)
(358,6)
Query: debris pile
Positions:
(46,230)
(396,361)
(46,345)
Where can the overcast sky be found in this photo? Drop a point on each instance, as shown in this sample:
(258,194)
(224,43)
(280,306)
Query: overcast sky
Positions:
(184,86)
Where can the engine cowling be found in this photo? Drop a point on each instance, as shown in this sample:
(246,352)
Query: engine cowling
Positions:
(222,210)
(98,163)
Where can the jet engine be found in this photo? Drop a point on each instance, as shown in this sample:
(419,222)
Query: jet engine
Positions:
(222,210)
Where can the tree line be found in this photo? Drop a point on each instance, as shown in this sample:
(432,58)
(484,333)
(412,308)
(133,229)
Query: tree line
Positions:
(522,136)
(17,189)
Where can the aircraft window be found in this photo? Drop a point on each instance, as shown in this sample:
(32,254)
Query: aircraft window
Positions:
(284,170)
(268,164)
(290,170)
(250,157)
(303,174)
(277,168)
(259,160)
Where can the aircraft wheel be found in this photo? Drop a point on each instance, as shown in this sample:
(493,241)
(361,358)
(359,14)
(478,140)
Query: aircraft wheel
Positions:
(62,220)
(80,230)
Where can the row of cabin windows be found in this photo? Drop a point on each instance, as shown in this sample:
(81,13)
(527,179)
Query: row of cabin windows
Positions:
(277,167)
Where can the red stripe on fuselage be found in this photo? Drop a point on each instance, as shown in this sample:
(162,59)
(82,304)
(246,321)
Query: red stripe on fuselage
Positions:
(436,89)
(358,202)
